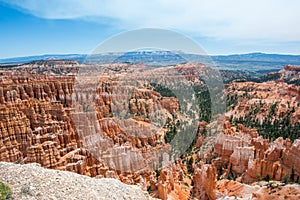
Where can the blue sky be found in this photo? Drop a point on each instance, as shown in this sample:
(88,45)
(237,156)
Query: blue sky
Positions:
(35,27)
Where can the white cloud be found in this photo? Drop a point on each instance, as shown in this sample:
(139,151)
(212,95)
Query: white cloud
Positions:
(223,19)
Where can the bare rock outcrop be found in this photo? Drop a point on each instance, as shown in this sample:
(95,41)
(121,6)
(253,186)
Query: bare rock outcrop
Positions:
(31,181)
(205,180)
(249,155)
(228,189)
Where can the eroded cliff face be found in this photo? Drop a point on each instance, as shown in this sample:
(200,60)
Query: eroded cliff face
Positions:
(262,190)
(246,154)
(271,107)
(239,161)
(205,181)
(170,184)
(38,124)
(126,141)
(290,74)
(256,99)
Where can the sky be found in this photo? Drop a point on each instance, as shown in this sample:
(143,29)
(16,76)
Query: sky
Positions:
(37,27)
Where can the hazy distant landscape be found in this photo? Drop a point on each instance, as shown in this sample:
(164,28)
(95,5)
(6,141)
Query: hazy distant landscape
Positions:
(144,100)
(254,63)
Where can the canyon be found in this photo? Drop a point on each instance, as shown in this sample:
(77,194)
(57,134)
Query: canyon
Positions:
(124,129)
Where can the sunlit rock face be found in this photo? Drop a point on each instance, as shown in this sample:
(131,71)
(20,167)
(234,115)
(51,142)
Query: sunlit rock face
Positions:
(240,160)
(205,180)
(38,124)
(228,189)
(255,100)
(115,127)
(253,158)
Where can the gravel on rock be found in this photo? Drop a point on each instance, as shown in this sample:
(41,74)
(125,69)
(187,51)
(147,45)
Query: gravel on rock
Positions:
(31,181)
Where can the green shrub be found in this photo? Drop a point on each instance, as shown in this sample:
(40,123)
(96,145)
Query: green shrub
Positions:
(267,178)
(285,179)
(5,191)
(190,165)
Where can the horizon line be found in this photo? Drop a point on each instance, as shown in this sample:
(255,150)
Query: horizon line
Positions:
(179,52)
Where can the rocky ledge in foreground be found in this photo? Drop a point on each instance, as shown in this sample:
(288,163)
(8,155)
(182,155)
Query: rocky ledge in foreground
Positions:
(31,181)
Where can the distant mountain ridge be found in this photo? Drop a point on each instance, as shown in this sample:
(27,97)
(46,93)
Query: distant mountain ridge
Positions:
(259,57)
(27,59)
(234,57)
(254,63)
